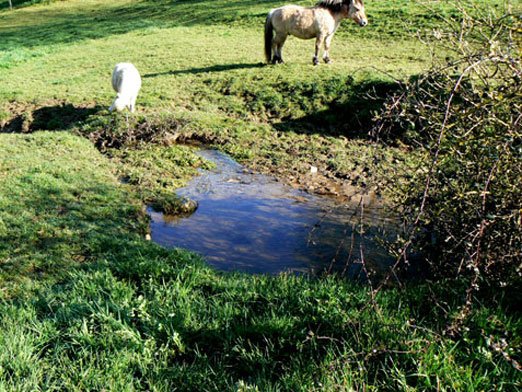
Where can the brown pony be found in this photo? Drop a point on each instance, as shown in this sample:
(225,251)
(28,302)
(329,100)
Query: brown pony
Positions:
(319,22)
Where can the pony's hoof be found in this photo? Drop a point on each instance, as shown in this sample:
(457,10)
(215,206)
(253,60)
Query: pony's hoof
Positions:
(327,60)
(315,61)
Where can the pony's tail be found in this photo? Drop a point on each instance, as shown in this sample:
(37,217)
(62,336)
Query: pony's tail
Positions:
(269,32)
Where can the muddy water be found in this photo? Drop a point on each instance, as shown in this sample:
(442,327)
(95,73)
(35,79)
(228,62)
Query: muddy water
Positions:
(253,223)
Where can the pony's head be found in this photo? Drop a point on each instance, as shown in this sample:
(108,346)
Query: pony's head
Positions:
(353,9)
(356,12)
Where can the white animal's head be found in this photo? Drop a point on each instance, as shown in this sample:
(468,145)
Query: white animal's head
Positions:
(119,104)
(356,12)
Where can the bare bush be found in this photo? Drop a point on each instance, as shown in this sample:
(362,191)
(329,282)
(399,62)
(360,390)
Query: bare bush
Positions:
(464,209)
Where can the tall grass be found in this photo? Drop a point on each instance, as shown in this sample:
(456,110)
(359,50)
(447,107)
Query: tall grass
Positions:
(88,303)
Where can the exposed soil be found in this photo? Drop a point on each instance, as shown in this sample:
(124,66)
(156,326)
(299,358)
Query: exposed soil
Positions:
(51,115)
(302,175)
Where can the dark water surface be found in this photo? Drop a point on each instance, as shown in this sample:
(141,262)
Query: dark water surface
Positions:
(253,223)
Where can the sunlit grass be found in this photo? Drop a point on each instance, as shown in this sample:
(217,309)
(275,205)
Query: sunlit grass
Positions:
(183,78)
(86,303)
(174,62)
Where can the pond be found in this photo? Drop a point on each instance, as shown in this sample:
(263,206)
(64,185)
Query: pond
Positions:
(253,223)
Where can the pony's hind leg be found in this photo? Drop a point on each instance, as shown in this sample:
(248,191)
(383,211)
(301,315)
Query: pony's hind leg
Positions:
(277,47)
(318,41)
(327,43)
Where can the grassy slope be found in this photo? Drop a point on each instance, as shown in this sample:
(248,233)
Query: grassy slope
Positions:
(88,304)
(64,53)
(170,48)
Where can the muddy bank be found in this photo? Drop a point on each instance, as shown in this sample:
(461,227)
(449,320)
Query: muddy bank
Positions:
(345,166)
(16,117)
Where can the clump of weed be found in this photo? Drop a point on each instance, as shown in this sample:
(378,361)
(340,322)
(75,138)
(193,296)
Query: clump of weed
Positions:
(27,119)
(156,171)
(4,118)
(123,130)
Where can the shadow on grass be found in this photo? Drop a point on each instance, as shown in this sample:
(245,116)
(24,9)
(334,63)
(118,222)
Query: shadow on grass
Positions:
(145,317)
(61,211)
(73,228)
(19,3)
(58,117)
(59,25)
(351,115)
(212,68)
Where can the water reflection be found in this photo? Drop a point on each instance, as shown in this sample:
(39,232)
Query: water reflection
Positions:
(251,222)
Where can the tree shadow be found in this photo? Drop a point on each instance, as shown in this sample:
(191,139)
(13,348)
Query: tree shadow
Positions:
(59,25)
(351,116)
(212,68)
(58,117)
(18,3)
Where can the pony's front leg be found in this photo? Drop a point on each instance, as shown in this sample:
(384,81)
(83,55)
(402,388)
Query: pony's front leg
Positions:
(318,41)
(327,43)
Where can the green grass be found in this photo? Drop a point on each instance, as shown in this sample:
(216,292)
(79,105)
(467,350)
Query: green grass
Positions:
(89,304)
(226,94)
(58,193)
(70,47)
(211,89)
(78,42)
(158,171)
(86,303)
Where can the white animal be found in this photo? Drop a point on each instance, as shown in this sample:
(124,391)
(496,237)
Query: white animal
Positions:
(126,81)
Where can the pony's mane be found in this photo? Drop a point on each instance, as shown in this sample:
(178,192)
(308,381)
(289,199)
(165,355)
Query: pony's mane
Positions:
(333,5)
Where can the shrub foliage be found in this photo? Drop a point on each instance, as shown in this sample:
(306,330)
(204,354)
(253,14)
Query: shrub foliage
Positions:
(464,209)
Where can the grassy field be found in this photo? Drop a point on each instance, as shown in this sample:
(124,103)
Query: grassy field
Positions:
(86,303)
(56,62)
